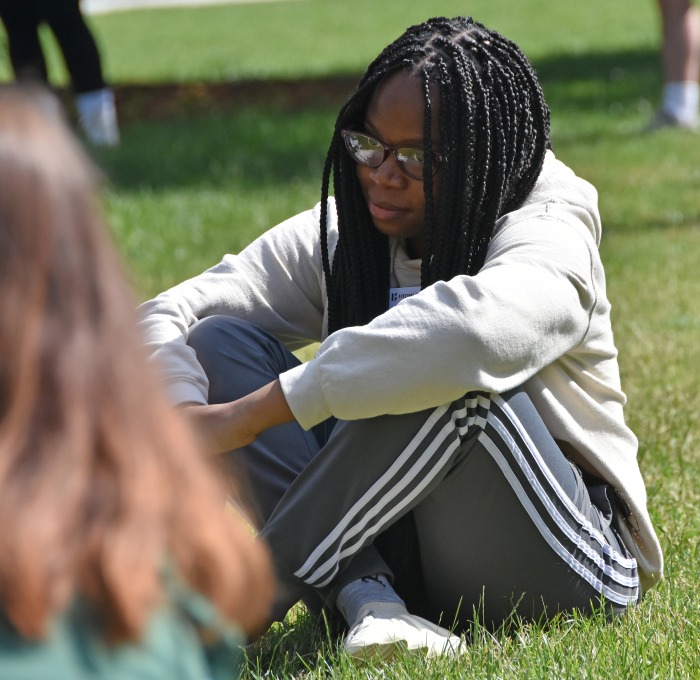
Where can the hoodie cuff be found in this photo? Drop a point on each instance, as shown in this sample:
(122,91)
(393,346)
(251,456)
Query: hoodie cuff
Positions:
(302,390)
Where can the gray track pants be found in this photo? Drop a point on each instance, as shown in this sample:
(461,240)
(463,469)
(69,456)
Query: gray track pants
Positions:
(471,507)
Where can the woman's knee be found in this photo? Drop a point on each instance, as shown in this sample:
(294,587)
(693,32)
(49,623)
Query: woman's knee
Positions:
(237,356)
(212,332)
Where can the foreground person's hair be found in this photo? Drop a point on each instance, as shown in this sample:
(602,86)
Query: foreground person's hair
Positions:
(102,489)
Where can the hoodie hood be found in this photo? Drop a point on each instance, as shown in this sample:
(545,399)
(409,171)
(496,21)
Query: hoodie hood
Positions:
(558,184)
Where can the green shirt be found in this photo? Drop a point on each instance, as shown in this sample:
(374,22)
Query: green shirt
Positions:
(170,649)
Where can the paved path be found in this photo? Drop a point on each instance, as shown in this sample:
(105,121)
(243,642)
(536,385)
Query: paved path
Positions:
(105,6)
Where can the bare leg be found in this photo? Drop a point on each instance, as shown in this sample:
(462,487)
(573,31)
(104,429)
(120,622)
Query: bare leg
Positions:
(680,61)
(680,49)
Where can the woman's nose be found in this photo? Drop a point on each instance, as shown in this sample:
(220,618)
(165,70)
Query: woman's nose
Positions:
(388,172)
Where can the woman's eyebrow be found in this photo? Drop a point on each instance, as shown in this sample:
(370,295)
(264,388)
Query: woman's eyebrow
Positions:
(369,128)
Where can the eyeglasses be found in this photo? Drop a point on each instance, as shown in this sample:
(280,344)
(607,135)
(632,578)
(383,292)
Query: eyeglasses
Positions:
(367,150)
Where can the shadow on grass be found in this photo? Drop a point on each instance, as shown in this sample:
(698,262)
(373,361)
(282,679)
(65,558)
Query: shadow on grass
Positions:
(591,82)
(270,134)
(254,147)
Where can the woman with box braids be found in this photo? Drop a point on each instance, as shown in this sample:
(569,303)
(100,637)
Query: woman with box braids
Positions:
(456,450)
(494,127)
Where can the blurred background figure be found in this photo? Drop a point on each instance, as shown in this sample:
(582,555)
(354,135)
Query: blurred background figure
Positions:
(119,558)
(94,101)
(680,60)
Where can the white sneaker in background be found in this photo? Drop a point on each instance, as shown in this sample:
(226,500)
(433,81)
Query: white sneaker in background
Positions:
(97,115)
(665,120)
(382,629)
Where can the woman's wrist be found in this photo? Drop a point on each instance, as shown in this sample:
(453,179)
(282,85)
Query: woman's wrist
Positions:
(264,408)
(223,427)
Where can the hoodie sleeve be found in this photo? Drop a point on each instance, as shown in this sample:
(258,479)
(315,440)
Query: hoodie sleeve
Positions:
(275,283)
(530,304)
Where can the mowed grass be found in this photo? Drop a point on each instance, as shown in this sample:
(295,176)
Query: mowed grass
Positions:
(183,191)
(318,37)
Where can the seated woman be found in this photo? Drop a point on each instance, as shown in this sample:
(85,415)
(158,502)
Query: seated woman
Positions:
(119,558)
(457,447)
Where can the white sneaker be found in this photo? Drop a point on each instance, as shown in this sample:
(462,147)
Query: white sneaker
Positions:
(383,630)
(665,120)
(97,115)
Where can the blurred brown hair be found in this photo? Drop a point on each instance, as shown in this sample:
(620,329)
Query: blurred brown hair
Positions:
(101,484)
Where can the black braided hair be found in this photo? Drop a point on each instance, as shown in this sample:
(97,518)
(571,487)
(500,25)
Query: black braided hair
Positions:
(494,131)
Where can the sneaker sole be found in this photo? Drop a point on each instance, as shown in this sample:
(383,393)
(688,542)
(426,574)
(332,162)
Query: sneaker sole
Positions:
(383,651)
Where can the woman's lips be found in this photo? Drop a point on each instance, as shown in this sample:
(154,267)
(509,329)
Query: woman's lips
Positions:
(384,211)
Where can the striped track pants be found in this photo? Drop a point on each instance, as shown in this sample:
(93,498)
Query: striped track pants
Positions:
(502,523)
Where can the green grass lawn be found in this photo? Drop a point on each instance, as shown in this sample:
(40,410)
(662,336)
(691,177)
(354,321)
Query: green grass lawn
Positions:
(317,37)
(185,190)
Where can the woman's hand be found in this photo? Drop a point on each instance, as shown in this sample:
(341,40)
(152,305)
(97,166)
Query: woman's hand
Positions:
(223,427)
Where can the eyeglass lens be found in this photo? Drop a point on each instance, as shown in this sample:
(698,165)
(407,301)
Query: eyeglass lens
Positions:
(371,152)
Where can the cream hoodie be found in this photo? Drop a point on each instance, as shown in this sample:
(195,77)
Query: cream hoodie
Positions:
(536,315)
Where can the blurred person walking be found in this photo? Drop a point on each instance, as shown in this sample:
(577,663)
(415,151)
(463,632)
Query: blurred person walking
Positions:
(94,101)
(680,61)
(119,559)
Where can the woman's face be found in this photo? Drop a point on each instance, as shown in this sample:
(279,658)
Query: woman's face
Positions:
(396,201)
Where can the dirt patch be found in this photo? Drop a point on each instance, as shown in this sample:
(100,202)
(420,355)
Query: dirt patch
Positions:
(162,101)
